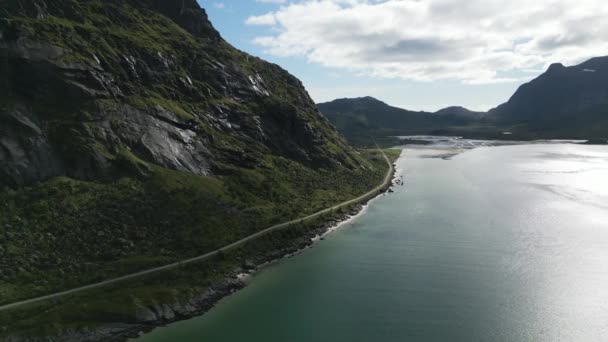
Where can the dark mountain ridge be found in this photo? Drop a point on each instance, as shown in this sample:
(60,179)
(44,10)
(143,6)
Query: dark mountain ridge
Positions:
(458,111)
(358,118)
(559,92)
(563,102)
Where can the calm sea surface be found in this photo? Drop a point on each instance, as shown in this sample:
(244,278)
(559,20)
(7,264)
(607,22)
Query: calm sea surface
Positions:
(504,243)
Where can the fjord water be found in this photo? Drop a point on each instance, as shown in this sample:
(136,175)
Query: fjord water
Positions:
(502,243)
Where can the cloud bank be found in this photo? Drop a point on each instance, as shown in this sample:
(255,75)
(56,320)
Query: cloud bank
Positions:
(472,41)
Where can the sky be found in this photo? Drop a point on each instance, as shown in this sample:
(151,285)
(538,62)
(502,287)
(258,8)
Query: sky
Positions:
(415,54)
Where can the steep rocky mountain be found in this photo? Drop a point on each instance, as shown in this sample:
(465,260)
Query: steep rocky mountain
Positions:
(133,135)
(87,82)
(562,102)
(558,93)
(358,118)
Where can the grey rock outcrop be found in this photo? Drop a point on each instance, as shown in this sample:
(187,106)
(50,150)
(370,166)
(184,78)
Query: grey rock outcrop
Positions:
(93,108)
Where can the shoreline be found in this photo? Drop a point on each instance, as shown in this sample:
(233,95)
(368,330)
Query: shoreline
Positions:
(235,281)
(148,318)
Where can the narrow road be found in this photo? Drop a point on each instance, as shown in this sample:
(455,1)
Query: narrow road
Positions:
(368,195)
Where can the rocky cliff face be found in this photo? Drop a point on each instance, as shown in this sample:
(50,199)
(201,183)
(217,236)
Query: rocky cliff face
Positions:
(90,87)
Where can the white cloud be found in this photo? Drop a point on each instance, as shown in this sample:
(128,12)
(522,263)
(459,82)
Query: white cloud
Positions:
(474,41)
(219,5)
(266,19)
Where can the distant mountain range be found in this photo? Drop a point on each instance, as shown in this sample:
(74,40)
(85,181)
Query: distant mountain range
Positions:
(563,102)
(360,118)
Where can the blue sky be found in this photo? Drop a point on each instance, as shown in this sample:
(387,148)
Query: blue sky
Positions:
(419,55)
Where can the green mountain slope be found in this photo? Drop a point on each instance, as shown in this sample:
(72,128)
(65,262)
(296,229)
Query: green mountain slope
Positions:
(132,135)
(86,80)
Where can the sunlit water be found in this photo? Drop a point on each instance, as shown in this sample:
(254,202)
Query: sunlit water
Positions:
(495,244)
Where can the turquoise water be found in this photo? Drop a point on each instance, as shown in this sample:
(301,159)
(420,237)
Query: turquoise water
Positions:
(494,244)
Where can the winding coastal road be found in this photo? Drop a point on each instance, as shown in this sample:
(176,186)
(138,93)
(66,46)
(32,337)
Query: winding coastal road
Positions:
(372,193)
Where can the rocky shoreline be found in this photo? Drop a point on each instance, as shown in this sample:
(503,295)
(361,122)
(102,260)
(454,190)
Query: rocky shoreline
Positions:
(150,317)
(235,280)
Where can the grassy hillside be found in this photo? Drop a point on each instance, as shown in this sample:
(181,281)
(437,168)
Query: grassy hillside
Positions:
(64,232)
(133,136)
(123,303)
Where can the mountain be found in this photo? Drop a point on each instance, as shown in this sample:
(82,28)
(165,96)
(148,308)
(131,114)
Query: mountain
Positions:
(359,118)
(133,135)
(562,102)
(151,77)
(368,113)
(460,112)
